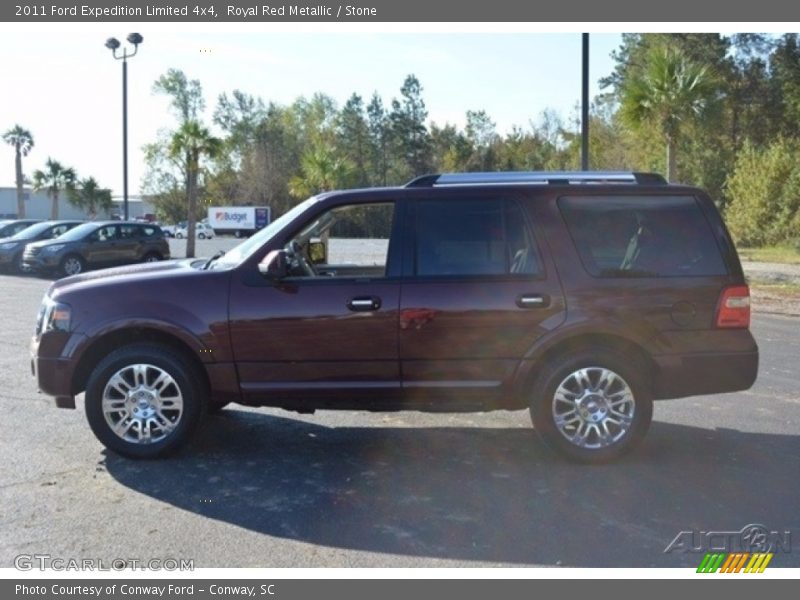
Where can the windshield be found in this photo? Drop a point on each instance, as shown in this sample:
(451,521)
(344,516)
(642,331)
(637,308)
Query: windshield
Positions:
(79,232)
(32,231)
(243,251)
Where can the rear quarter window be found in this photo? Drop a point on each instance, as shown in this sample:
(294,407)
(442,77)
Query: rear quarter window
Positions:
(642,236)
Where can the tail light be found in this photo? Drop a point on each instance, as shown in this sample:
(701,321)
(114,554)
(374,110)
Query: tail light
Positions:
(733,310)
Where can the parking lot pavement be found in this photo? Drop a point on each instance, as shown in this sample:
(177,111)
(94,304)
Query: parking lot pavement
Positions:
(268,488)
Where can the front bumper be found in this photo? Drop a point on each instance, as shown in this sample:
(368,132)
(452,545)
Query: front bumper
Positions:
(52,370)
(40,262)
(704,373)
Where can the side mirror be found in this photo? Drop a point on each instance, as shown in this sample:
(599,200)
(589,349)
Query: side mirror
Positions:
(317,252)
(275,265)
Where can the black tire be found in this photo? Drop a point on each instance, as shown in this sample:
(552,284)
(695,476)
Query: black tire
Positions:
(186,379)
(66,268)
(152,257)
(238,234)
(16,264)
(629,368)
(179,236)
(201,236)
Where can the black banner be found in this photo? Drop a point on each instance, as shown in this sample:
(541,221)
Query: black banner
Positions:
(395,11)
(334,589)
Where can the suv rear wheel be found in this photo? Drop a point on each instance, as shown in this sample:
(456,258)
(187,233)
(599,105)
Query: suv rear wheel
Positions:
(144,401)
(151,257)
(592,406)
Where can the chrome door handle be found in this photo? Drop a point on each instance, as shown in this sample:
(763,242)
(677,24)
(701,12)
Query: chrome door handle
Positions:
(364,303)
(533,301)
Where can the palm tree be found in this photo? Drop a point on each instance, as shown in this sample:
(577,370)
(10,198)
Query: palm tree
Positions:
(22,140)
(669,92)
(322,170)
(54,179)
(89,196)
(188,146)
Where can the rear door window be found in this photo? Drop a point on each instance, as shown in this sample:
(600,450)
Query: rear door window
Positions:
(637,236)
(104,234)
(129,232)
(473,238)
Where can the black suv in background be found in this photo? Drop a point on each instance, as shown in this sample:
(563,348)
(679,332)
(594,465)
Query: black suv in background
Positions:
(582,297)
(11,249)
(97,244)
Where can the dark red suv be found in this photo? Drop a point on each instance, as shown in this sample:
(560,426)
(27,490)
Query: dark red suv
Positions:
(581,296)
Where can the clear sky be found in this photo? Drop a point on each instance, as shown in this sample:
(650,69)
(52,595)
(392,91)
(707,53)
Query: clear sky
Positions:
(66,88)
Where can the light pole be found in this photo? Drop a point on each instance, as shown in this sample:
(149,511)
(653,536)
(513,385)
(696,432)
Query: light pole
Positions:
(585,103)
(113,45)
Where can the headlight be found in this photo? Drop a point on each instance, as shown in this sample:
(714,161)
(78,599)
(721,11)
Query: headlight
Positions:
(53,316)
(8,245)
(53,248)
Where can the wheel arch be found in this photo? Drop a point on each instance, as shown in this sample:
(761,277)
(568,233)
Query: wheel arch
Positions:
(112,340)
(531,367)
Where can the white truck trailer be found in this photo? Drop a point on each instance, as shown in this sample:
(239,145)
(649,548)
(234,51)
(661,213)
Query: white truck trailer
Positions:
(241,221)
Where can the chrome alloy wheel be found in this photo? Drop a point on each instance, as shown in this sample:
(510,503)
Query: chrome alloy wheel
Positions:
(593,408)
(142,404)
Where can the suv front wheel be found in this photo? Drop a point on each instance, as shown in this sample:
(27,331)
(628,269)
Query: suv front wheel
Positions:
(144,401)
(592,406)
(72,264)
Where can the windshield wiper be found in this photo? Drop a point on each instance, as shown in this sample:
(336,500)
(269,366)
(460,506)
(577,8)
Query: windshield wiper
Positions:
(212,259)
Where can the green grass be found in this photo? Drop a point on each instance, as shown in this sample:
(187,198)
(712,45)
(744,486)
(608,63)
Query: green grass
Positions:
(785,253)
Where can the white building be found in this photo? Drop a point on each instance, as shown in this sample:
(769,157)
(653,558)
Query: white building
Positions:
(38,205)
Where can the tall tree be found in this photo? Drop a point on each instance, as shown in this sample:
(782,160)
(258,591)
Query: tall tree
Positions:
(90,197)
(193,143)
(54,179)
(239,116)
(186,95)
(481,133)
(378,122)
(409,131)
(270,161)
(353,137)
(670,92)
(785,83)
(450,147)
(22,141)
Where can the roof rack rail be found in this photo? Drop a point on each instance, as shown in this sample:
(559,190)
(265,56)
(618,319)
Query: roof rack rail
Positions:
(537,177)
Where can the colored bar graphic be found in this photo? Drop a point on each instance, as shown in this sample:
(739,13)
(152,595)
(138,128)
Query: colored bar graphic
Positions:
(703,563)
(728,564)
(717,563)
(741,562)
(735,562)
(766,562)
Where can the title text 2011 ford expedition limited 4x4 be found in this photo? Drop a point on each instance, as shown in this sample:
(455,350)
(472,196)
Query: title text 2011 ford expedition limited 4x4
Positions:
(581,296)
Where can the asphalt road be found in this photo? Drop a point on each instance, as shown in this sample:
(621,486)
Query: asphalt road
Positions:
(272,489)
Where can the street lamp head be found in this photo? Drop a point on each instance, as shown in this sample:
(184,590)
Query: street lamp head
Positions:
(135,39)
(112,43)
